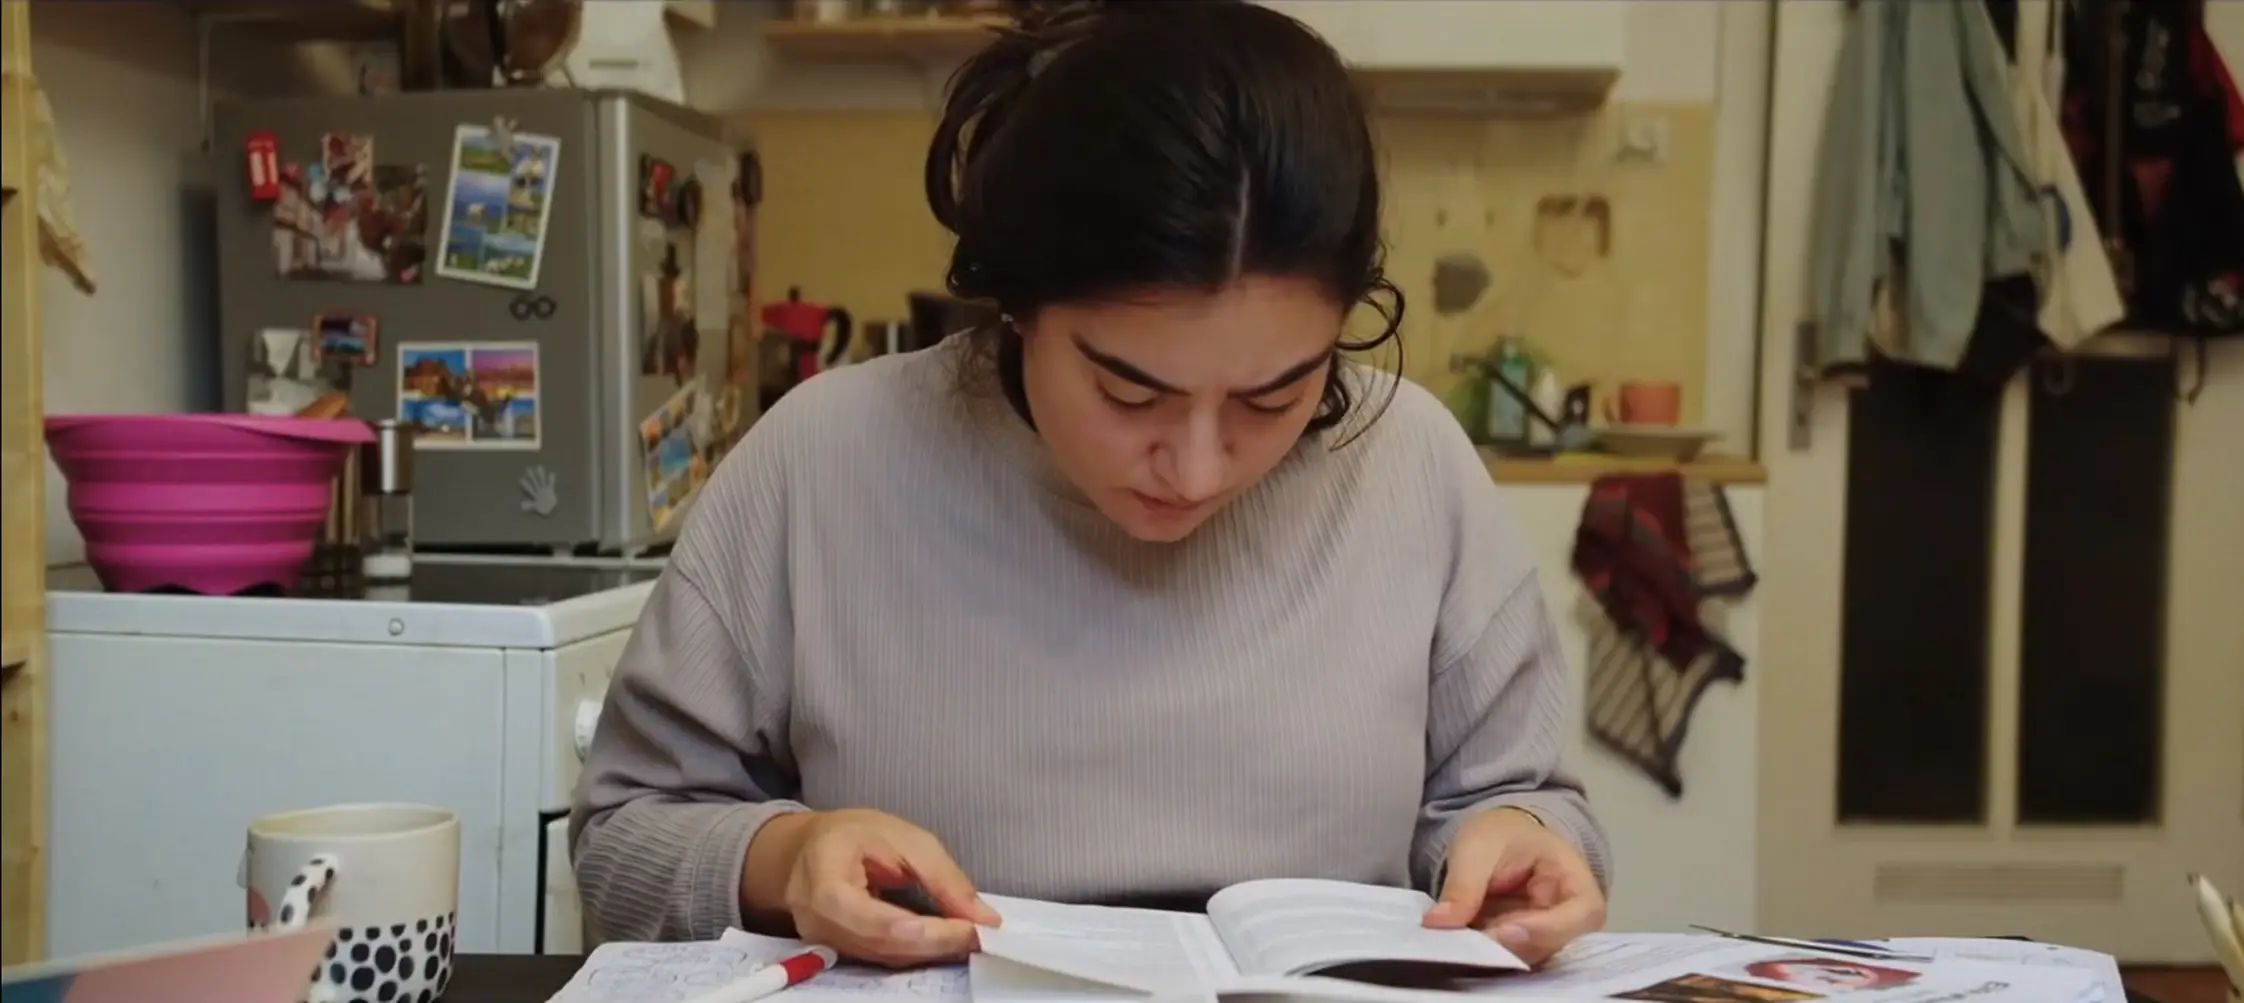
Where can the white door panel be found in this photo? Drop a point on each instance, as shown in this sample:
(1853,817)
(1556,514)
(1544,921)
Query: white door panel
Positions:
(2116,889)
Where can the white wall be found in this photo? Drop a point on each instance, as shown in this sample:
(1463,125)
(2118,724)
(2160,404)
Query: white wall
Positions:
(1677,862)
(122,79)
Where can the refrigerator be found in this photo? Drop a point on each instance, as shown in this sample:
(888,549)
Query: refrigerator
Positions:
(543,281)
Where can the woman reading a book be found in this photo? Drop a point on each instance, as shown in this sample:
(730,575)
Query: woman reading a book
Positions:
(1142,591)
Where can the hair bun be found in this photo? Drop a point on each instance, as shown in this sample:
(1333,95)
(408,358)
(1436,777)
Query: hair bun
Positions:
(1037,18)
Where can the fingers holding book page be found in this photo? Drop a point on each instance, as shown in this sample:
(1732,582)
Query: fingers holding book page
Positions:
(847,859)
(1519,882)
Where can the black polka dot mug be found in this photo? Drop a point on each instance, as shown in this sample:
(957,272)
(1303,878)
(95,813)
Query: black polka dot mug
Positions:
(387,876)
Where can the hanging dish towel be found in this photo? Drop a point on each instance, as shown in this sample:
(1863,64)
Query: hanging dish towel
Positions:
(2079,293)
(1652,550)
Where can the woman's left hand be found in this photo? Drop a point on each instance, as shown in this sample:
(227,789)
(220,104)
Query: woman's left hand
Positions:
(1516,880)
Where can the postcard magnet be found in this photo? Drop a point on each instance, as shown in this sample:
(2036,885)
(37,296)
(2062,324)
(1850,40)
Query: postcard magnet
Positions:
(348,159)
(345,338)
(470,395)
(497,207)
(655,179)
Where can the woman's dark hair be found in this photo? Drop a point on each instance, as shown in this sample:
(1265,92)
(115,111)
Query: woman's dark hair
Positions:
(1095,149)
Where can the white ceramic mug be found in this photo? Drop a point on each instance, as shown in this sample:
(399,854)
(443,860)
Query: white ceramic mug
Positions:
(387,875)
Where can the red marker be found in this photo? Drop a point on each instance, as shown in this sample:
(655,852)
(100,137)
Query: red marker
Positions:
(789,971)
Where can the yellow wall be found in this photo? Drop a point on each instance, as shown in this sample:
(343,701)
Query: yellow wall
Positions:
(844,218)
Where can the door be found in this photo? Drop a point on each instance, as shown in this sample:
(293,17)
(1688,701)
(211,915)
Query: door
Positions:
(1833,868)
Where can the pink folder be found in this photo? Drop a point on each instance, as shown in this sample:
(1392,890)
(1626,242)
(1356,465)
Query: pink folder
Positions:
(243,968)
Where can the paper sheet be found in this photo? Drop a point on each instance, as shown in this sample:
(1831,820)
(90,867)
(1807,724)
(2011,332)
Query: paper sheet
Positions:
(2107,987)
(1681,968)
(674,973)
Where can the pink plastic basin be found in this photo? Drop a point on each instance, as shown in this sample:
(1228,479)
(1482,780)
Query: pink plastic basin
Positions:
(209,503)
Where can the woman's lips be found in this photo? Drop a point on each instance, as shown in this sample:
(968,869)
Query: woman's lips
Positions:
(1165,506)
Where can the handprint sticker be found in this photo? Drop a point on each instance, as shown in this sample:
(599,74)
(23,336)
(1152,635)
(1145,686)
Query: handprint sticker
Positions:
(540,493)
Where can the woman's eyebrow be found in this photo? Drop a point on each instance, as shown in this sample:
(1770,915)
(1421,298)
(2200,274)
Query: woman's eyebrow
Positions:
(1294,374)
(1124,370)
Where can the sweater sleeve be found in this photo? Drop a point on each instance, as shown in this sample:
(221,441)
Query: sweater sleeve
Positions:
(1500,706)
(691,755)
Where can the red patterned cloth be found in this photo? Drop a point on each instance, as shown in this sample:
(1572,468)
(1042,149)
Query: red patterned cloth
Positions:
(1632,554)
(1654,550)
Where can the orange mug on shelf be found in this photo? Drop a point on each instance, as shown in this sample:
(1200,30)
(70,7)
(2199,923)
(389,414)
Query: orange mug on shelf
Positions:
(1659,404)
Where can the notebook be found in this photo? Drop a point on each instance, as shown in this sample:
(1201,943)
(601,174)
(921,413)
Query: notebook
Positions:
(266,967)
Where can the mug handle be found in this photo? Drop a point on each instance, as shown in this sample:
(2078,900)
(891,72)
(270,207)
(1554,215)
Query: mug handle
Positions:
(303,891)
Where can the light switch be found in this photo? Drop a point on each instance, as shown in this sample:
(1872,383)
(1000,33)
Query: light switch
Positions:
(1647,139)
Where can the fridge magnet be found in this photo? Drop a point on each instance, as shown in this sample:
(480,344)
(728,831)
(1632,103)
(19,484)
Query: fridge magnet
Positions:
(496,210)
(662,341)
(541,491)
(650,323)
(526,307)
(479,395)
(666,439)
(371,231)
(284,375)
(686,210)
(395,222)
(345,339)
(263,151)
(655,179)
(347,158)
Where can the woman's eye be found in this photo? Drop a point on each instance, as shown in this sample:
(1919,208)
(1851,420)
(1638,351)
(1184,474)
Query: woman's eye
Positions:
(1127,404)
(1270,409)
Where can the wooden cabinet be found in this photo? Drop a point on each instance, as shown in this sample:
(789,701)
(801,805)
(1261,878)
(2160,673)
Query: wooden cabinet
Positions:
(1517,57)
(368,20)
(1520,56)
(23,707)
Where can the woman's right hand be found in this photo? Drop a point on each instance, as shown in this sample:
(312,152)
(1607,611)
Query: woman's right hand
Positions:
(843,860)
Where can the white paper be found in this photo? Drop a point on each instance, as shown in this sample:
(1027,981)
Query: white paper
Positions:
(1142,949)
(2108,988)
(1295,927)
(675,973)
(1680,967)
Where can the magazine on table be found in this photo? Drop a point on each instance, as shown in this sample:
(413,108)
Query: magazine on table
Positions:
(1694,968)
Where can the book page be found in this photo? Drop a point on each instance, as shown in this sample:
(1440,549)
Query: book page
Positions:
(1295,926)
(1146,950)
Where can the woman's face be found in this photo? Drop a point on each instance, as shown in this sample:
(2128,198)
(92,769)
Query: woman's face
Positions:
(1165,407)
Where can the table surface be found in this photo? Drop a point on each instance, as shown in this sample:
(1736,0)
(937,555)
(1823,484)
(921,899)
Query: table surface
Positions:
(533,978)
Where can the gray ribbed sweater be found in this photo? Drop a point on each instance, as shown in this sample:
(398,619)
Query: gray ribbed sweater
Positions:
(887,598)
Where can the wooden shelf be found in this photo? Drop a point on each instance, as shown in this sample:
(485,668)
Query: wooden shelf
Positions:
(925,39)
(375,20)
(1582,468)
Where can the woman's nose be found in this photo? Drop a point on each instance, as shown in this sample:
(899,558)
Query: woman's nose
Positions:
(1197,460)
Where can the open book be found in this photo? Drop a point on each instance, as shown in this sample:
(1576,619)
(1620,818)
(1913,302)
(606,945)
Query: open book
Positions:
(1272,936)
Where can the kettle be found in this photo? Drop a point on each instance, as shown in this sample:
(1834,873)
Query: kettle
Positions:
(817,335)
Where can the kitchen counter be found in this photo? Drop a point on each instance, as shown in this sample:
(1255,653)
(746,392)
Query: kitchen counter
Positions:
(1582,468)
